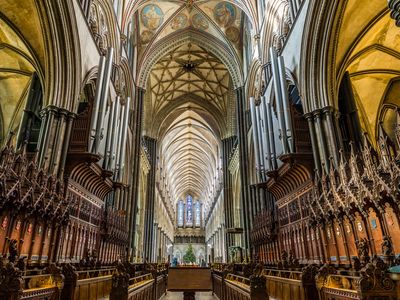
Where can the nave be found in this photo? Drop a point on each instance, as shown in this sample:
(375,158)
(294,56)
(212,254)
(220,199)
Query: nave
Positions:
(245,148)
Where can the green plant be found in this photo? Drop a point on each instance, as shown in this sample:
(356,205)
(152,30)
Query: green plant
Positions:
(189,256)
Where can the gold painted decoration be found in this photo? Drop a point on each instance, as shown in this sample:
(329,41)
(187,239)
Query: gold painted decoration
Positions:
(152,16)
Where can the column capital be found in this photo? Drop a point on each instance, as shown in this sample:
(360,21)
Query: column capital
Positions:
(328,110)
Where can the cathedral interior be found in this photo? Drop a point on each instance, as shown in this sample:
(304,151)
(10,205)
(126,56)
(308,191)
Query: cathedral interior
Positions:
(245,149)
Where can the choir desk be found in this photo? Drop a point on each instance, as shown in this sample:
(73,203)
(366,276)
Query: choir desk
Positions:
(189,280)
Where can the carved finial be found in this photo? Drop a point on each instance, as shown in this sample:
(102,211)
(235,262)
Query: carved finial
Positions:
(368,162)
(384,151)
(12,249)
(10,138)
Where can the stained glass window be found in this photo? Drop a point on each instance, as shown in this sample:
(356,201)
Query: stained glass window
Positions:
(189,210)
(198,214)
(180,213)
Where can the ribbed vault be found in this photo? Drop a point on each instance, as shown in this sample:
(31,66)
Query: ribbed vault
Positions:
(368,49)
(189,71)
(189,62)
(186,109)
(190,156)
(17,65)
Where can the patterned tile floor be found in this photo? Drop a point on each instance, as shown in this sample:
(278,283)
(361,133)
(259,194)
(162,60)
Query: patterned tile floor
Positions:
(179,296)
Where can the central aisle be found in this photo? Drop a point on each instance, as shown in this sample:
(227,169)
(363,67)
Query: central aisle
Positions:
(199,296)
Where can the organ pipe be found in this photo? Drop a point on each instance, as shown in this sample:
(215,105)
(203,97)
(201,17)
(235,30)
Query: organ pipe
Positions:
(271,135)
(114,135)
(278,98)
(285,102)
(97,100)
(266,139)
(255,135)
(124,136)
(104,96)
(118,145)
(108,135)
(260,142)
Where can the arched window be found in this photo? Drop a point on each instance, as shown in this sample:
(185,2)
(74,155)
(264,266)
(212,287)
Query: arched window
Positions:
(198,214)
(189,210)
(180,213)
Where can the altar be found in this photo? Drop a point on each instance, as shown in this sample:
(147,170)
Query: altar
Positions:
(189,280)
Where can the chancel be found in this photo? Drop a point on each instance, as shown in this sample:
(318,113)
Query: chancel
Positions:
(197,149)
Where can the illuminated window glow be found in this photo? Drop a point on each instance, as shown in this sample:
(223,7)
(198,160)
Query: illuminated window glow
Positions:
(180,213)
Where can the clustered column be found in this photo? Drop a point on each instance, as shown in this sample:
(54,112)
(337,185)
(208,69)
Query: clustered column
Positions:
(150,200)
(136,162)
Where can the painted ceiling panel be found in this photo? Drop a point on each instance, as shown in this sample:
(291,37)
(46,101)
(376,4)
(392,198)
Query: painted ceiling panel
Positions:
(159,19)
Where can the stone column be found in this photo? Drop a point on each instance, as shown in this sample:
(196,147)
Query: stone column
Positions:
(150,197)
(135,156)
(243,166)
(314,143)
(227,147)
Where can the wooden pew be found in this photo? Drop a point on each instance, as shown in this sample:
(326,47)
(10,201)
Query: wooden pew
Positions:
(150,286)
(88,284)
(372,282)
(227,286)
(287,284)
(93,284)
(46,287)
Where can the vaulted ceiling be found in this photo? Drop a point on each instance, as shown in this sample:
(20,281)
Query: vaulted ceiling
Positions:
(189,89)
(189,70)
(158,19)
(368,47)
(191,157)
(21,54)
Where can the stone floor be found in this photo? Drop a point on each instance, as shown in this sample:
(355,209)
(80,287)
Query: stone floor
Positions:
(179,296)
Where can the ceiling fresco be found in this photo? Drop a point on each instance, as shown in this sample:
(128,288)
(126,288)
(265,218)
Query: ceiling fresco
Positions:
(158,19)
